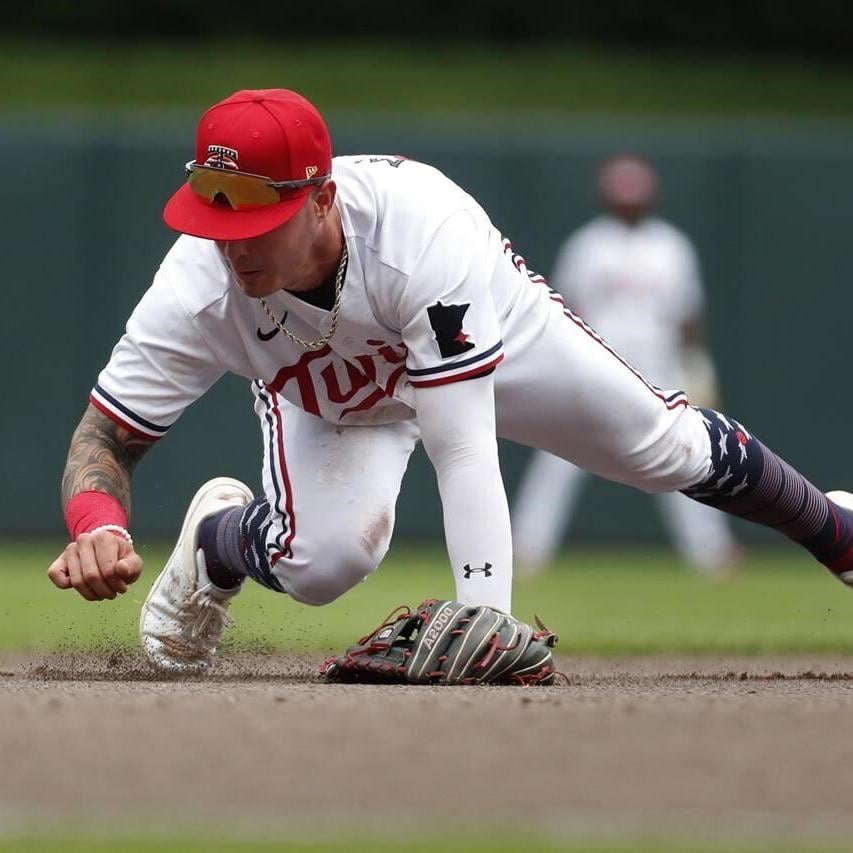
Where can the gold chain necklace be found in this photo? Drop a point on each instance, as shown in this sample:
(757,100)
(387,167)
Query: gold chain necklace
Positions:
(336,309)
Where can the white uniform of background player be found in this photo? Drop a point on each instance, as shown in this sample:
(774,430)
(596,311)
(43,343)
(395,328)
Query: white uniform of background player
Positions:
(635,279)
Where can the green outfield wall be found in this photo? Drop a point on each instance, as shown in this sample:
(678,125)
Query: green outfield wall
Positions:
(770,208)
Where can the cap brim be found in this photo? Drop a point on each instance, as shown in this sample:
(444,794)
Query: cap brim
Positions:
(189,214)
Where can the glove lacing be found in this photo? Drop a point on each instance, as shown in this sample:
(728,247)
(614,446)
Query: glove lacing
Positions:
(392,618)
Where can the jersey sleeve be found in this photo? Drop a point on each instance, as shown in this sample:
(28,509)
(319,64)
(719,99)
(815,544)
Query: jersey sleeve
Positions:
(447,314)
(159,366)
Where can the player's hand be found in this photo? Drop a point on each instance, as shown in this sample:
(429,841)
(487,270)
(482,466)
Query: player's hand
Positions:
(98,565)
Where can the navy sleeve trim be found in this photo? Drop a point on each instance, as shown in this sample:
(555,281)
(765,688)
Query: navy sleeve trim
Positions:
(127,412)
(443,368)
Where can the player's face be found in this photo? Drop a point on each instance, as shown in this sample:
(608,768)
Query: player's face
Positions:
(288,258)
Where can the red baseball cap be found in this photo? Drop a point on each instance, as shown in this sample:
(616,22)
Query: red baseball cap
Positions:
(273,133)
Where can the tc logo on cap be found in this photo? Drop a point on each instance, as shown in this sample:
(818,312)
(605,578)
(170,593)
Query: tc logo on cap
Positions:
(220,157)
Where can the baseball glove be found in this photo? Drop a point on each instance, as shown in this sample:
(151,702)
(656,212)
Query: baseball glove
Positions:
(445,642)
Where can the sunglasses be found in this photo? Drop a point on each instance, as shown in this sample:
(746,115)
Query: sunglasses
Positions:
(242,190)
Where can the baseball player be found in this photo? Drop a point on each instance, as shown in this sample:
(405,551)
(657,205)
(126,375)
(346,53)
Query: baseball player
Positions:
(372,304)
(635,279)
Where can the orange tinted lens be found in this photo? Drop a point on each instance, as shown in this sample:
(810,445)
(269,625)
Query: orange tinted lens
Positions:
(240,191)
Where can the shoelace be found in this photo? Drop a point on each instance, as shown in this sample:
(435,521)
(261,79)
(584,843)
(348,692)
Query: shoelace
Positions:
(206,612)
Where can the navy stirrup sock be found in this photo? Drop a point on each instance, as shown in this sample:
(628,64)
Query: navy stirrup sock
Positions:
(220,538)
(748,480)
(234,542)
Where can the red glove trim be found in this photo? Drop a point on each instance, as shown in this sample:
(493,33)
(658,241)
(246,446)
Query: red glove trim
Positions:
(88,510)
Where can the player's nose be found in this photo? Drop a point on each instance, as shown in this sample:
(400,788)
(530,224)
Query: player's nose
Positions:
(232,249)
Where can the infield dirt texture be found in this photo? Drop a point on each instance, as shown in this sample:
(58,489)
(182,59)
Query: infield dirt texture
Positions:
(704,749)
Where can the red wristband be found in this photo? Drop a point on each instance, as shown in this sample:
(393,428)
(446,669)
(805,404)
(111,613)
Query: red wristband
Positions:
(88,510)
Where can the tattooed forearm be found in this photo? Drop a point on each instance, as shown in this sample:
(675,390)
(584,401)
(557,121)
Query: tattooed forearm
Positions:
(101,458)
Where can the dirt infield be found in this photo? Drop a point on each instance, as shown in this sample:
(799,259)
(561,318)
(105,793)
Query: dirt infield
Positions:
(736,748)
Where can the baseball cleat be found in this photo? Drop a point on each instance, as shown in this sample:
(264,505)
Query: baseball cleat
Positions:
(184,614)
(845,501)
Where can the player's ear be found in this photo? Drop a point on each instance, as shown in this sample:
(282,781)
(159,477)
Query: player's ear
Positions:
(324,198)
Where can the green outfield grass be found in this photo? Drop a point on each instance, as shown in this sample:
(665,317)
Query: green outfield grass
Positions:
(599,601)
(469,79)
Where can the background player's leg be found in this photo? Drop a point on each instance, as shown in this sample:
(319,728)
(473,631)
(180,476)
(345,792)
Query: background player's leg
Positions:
(701,535)
(543,508)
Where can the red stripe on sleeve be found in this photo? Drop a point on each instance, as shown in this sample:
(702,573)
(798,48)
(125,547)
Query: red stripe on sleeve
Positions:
(469,374)
(121,422)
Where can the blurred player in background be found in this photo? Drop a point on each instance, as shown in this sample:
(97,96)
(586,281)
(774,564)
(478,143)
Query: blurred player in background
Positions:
(635,279)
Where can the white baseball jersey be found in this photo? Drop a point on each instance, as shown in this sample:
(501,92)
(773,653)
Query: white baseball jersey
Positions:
(636,286)
(195,324)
